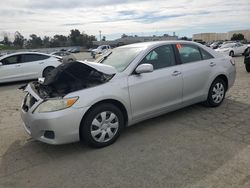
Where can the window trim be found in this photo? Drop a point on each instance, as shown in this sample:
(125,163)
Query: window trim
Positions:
(198,47)
(175,62)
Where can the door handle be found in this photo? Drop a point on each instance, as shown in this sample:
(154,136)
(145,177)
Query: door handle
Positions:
(176,73)
(212,64)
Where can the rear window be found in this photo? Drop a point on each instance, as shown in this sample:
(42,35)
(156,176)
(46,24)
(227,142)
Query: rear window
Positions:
(189,53)
(34,57)
(205,54)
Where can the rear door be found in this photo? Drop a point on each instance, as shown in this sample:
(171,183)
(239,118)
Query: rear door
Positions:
(33,65)
(197,67)
(10,70)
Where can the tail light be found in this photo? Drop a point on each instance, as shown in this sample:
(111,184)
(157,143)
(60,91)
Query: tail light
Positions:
(232,61)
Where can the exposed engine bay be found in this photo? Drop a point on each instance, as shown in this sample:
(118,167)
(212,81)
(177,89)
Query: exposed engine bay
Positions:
(69,77)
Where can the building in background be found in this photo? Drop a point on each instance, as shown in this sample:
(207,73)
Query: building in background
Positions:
(207,37)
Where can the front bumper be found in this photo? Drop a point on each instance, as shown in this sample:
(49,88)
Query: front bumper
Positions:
(64,124)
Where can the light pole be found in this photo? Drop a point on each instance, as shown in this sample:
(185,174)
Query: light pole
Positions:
(100,33)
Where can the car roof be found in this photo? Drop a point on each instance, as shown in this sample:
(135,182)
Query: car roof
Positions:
(156,43)
(23,53)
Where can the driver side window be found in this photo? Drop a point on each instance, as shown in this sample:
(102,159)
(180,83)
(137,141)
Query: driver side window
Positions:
(160,57)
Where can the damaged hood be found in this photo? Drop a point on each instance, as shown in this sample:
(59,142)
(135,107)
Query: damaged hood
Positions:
(106,69)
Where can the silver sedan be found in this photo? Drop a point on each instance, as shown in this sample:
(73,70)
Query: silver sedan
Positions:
(95,101)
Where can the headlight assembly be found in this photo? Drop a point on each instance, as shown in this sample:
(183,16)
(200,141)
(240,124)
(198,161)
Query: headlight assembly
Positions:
(55,104)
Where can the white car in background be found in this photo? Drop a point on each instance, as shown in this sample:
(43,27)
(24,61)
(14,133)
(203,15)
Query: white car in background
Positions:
(233,49)
(100,50)
(26,65)
(66,56)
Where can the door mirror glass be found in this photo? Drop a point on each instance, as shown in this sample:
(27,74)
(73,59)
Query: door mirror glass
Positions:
(144,68)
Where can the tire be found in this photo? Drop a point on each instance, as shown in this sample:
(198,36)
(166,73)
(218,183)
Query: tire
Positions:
(246,52)
(102,125)
(47,71)
(231,53)
(216,93)
(247,67)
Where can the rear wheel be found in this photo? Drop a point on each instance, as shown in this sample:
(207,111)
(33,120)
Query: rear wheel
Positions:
(231,53)
(102,125)
(216,93)
(47,71)
(247,67)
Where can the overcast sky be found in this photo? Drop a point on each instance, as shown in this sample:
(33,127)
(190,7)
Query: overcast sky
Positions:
(114,17)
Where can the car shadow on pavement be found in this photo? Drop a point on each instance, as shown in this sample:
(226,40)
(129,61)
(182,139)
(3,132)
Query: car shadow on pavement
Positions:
(230,121)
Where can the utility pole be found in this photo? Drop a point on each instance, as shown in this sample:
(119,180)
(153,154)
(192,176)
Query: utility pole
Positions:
(100,34)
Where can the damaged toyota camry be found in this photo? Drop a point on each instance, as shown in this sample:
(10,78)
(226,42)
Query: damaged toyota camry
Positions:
(94,101)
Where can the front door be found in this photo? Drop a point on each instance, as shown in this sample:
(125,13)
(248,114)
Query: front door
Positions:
(155,92)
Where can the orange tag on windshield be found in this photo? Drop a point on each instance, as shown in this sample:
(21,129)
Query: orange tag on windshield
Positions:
(178,46)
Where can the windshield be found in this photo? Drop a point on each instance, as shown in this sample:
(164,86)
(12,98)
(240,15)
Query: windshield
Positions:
(227,45)
(120,58)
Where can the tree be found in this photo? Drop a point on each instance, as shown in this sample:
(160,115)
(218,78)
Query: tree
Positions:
(35,41)
(75,37)
(124,36)
(18,40)
(46,41)
(59,41)
(6,40)
(237,36)
(184,38)
(103,38)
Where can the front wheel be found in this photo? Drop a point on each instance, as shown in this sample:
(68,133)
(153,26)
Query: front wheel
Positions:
(216,93)
(102,125)
(247,67)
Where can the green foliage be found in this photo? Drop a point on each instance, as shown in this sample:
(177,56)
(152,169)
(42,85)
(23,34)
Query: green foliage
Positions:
(237,37)
(184,38)
(75,38)
(19,40)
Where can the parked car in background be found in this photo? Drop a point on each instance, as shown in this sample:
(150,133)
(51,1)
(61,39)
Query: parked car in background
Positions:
(26,65)
(100,50)
(74,50)
(233,49)
(66,56)
(94,101)
(247,60)
(216,44)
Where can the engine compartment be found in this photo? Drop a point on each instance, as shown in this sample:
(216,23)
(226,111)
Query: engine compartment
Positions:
(70,77)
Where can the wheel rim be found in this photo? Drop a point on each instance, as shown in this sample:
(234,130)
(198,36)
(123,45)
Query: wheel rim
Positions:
(218,93)
(104,126)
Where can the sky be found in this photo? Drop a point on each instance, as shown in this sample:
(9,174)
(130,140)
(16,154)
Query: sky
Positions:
(115,17)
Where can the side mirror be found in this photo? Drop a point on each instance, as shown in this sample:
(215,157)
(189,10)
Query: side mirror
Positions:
(144,68)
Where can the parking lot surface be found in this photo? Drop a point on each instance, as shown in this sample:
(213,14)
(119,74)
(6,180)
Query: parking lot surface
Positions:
(192,147)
